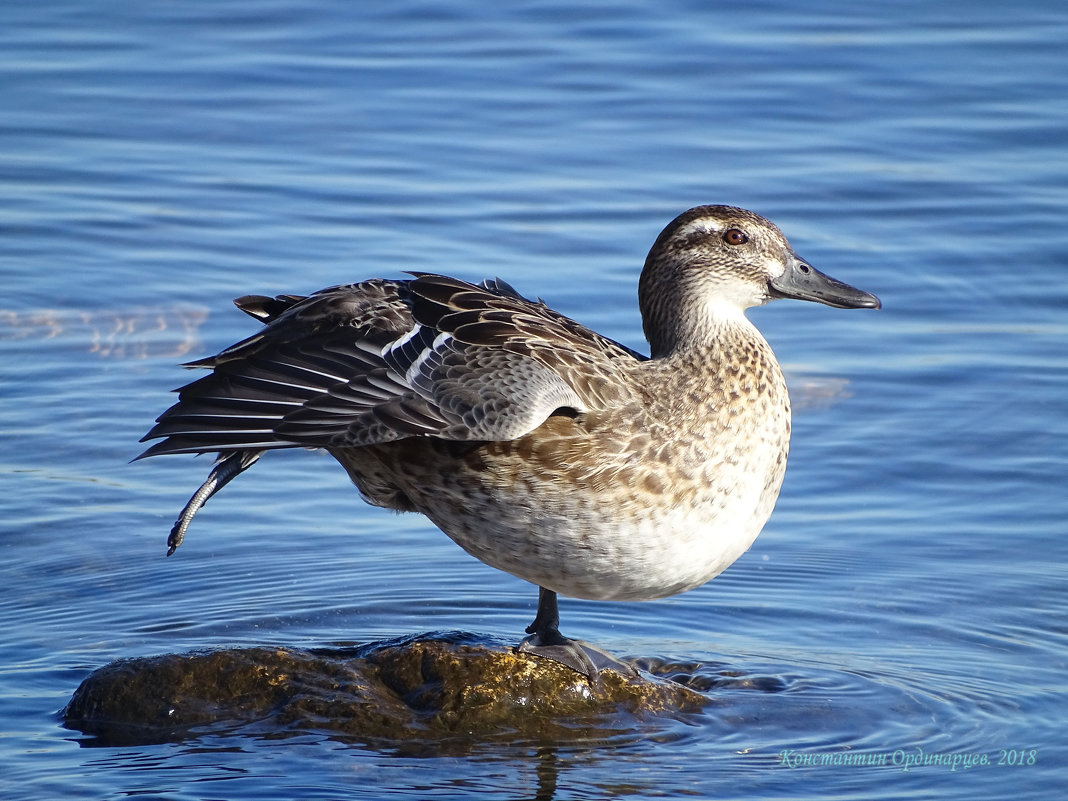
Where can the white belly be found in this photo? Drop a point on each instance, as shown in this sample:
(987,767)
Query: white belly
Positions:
(591,553)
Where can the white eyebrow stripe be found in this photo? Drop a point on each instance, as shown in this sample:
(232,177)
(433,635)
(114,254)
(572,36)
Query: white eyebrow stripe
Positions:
(702,225)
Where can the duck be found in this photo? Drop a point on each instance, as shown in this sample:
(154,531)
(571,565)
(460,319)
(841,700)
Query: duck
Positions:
(539,446)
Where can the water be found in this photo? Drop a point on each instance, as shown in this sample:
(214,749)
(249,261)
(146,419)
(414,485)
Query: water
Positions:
(908,594)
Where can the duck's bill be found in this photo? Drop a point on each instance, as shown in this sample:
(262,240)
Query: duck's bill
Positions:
(802,281)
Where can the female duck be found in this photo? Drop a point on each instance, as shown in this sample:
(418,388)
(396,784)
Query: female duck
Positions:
(540,447)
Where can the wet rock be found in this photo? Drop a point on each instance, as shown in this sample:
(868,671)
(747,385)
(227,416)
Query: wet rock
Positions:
(429,687)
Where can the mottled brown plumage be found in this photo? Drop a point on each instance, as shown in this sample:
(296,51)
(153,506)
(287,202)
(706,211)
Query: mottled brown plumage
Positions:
(539,446)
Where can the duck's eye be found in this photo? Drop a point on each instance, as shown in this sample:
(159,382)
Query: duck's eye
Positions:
(735,237)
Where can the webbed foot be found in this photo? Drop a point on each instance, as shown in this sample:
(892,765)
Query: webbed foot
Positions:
(547,642)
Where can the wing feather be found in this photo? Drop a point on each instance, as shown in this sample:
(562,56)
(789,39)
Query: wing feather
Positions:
(380,360)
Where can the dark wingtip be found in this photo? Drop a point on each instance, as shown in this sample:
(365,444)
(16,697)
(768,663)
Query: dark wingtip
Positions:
(265,308)
(152,450)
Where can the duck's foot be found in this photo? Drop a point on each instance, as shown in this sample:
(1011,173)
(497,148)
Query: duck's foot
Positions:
(547,642)
(579,655)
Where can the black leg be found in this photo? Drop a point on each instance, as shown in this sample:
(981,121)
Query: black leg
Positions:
(546,641)
(227,467)
(547,622)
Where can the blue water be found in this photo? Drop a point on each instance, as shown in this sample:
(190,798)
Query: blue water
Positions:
(907,596)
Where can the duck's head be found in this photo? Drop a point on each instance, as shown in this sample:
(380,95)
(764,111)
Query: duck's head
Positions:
(716,261)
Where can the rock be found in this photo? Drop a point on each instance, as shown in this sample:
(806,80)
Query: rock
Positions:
(430,687)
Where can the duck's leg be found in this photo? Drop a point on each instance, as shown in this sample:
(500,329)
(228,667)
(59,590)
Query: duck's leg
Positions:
(227,467)
(546,641)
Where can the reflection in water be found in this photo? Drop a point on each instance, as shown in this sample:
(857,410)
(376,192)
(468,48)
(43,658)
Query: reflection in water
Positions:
(816,392)
(547,766)
(110,334)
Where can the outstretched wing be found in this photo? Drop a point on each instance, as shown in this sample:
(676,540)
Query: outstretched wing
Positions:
(380,360)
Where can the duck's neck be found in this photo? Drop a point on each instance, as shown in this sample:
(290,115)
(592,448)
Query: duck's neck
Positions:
(715,326)
(724,375)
